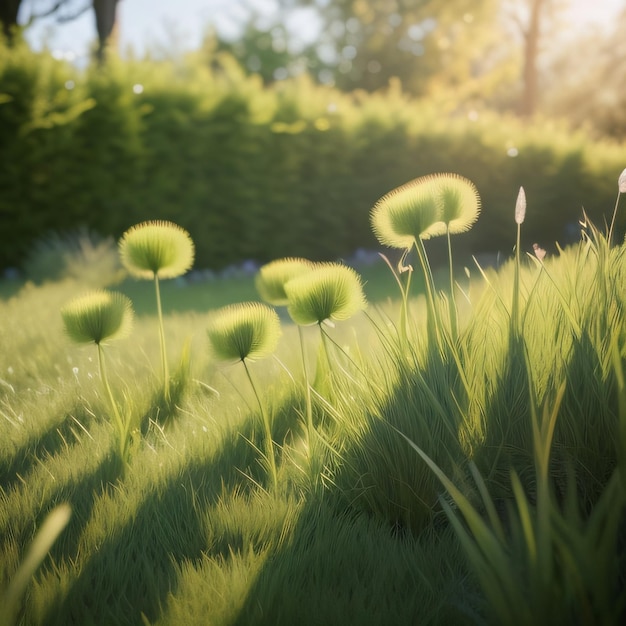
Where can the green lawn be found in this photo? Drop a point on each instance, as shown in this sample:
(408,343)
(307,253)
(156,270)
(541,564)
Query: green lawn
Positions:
(181,295)
(424,496)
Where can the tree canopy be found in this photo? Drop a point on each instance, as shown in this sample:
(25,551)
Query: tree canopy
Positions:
(366,43)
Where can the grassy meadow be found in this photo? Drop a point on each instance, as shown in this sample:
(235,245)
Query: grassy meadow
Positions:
(441,457)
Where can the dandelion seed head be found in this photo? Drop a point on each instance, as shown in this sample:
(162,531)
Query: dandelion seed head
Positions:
(97,316)
(247,330)
(272,277)
(156,247)
(329,292)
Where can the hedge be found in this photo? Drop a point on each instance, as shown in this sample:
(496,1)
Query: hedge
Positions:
(258,172)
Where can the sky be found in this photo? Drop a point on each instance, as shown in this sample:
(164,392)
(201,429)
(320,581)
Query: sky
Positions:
(180,25)
(152,24)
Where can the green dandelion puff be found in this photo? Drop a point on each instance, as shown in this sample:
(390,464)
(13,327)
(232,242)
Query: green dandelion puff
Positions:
(156,248)
(248,330)
(460,202)
(272,278)
(408,213)
(329,292)
(98,316)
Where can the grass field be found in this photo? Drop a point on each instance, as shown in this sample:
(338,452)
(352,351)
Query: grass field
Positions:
(462,472)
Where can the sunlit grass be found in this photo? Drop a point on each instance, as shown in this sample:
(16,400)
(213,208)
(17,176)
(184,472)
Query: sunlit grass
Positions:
(524,421)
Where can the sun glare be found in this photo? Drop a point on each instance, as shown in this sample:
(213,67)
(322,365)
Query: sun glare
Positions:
(583,12)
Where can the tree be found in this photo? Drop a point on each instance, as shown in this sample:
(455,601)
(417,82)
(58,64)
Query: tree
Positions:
(65,11)
(8,16)
(262,50)
(366,42)
(532,35)
(106,13)
(531,19)
(586,80)
(554,58)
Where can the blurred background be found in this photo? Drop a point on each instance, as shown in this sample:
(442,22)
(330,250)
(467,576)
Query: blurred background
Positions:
(270,127)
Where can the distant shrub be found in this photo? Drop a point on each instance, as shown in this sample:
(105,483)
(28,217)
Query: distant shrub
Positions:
(80,255)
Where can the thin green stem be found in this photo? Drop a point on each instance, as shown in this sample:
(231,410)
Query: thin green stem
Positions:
(453,310)
(122,426)
(610,236)
(166,374)
(350,359)
(431,313)
(325,347)
(309,406)
(404,291)
(404,319)
(269,443)
(515,314)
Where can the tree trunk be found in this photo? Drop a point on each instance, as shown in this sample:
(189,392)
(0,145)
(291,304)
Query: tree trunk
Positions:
(105,11)
(8,16)
(532,36)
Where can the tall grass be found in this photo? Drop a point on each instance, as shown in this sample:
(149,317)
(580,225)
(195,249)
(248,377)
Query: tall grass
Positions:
(476,478)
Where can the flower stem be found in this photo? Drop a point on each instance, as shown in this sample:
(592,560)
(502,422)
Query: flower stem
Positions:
(269,443)
(610,236)
(325,349)
(515,314)
(404,311)
(431,317)
(166,375)
(309,407)
(453,309)
(122,427)
(404,291)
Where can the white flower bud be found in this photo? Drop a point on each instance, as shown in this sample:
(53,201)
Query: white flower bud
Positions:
(520,206)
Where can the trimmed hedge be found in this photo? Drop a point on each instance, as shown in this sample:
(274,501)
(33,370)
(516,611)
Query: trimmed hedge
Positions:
(255,172)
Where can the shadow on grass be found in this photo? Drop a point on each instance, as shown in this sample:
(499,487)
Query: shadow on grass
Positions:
(165,410)
(339,569)
(59,435)
(587,430)
(381,473)
(507,440)
(133,570)
(82,493)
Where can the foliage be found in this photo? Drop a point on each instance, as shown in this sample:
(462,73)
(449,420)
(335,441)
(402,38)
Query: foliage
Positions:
(365,44)
(588,89)
(46,536)
(533,465)
(255,172)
